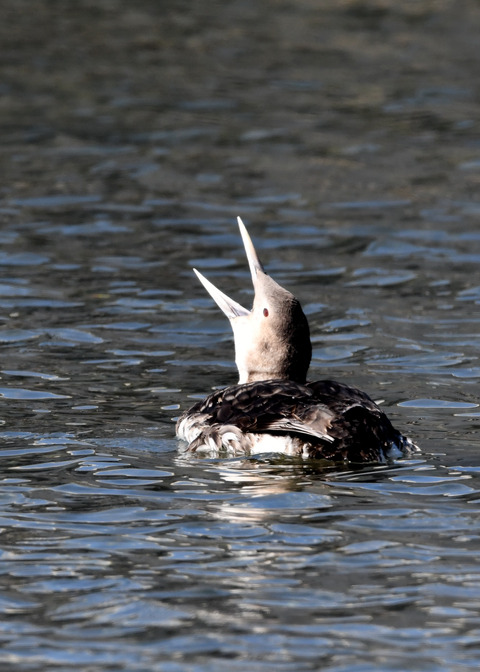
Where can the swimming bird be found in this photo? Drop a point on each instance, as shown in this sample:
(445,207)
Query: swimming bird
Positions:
(273,408)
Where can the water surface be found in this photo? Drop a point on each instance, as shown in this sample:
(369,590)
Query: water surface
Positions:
(347,139)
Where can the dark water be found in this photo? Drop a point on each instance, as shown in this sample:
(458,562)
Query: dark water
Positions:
(347,137)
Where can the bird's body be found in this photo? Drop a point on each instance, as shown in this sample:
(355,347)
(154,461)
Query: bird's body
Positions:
(321,419)
(274,409)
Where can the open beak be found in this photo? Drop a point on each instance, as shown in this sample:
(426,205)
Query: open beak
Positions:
(230,307)
(252,257)
(227,305)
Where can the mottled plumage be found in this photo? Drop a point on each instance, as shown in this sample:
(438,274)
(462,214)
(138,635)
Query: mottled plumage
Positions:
(273,408)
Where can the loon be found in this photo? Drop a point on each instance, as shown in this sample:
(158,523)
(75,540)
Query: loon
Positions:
(273,408)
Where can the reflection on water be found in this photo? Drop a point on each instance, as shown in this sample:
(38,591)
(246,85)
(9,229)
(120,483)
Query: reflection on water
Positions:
(346,137)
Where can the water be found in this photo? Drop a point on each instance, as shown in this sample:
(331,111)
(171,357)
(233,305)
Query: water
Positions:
(346,137)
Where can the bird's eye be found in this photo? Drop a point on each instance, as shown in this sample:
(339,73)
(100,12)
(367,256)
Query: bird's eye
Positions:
(265,312)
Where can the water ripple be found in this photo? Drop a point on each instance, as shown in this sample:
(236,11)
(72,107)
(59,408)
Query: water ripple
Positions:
(360,189)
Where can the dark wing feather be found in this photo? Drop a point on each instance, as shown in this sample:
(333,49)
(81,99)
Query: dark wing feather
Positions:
(360,428)
(268,407)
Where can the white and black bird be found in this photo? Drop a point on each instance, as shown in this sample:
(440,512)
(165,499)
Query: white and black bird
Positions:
(273,408)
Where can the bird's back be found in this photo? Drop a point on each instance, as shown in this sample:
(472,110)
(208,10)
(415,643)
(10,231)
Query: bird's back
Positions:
(323,419)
